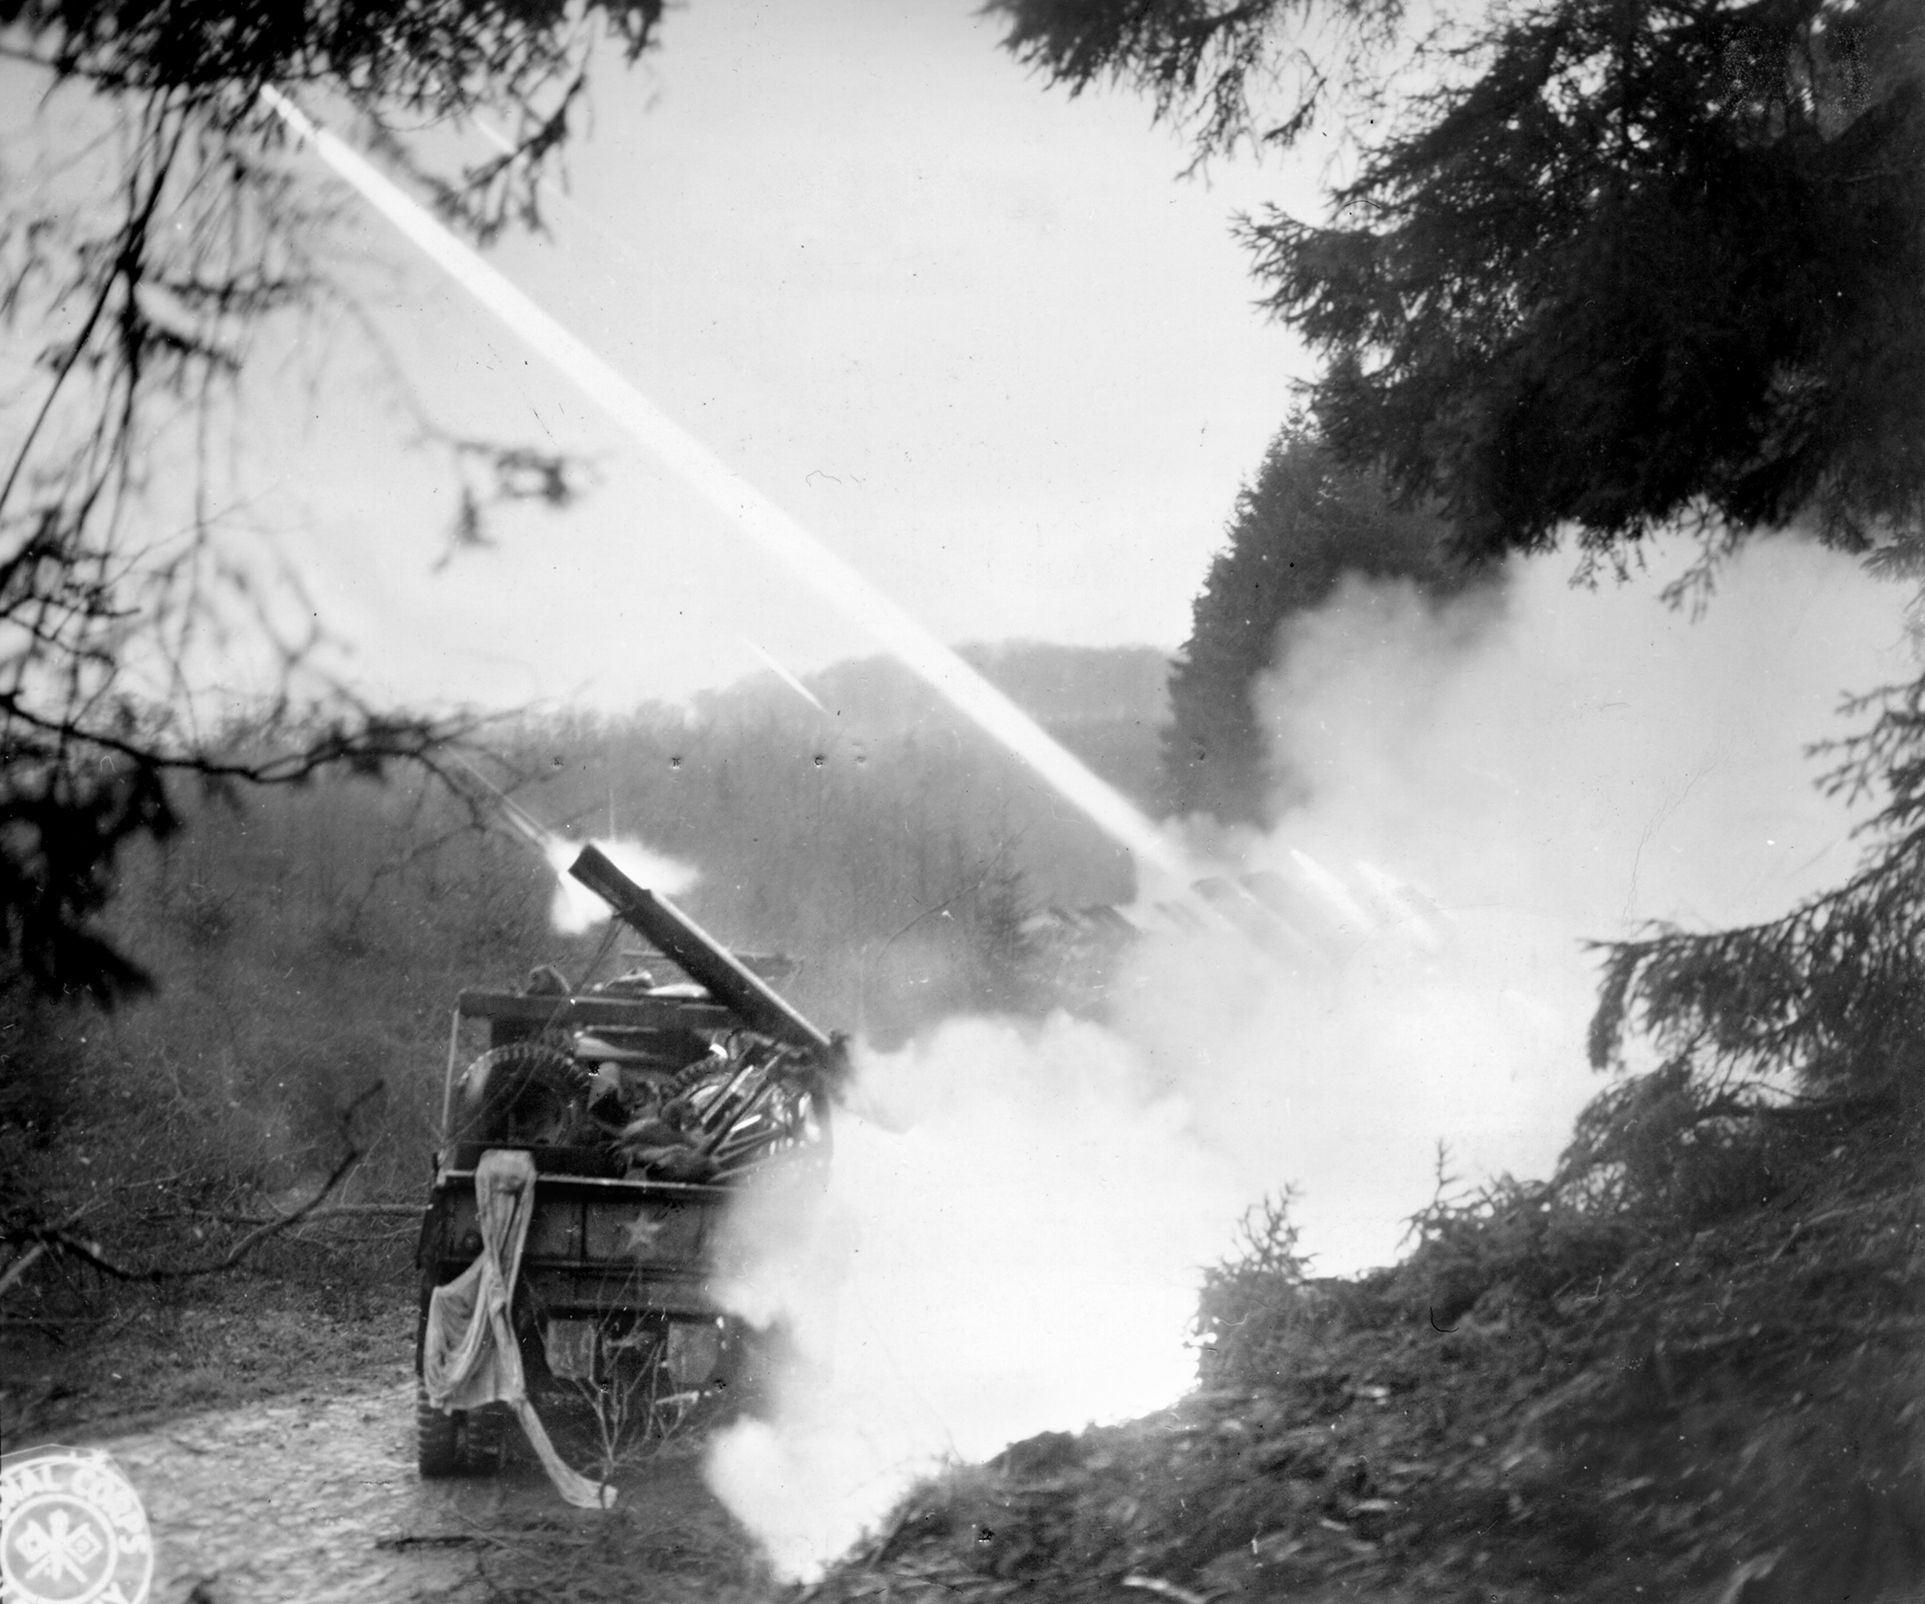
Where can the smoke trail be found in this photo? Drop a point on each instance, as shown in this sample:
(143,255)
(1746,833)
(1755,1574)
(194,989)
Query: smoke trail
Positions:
(1013,1242)
(752,512)
(574,905)
(575,908)
(776,667)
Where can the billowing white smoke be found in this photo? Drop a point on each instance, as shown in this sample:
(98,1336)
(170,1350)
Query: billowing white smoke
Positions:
(1009,1243)
(1548,766)
(1012,1242)
(575,908)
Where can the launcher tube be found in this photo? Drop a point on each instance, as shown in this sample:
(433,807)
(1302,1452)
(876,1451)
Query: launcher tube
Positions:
(701,956)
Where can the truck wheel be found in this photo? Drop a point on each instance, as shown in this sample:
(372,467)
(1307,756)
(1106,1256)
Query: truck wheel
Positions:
(437,1437)
(486,1436)
(524,1092)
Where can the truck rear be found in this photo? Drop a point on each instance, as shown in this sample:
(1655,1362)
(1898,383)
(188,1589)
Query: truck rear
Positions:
(643,1105)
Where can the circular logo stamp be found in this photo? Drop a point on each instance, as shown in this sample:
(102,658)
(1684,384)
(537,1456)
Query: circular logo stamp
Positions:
(72,1531)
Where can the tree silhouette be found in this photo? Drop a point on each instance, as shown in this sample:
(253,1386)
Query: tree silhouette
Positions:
(162,231)
(1606,264)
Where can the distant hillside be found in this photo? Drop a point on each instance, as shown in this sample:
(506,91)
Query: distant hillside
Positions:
(1079,684)
(1107,704)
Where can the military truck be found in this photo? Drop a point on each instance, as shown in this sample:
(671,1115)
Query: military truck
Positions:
(644,1104)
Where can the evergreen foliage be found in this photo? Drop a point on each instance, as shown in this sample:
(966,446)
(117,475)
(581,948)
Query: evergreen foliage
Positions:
(1603,263)
(1300,526)
(1828,1001)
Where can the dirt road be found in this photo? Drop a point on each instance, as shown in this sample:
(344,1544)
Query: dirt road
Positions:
(314,1497)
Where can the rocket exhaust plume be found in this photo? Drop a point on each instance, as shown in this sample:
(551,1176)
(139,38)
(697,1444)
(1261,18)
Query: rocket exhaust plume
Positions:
(520,822)
(762,520)
(752,512)
(580,901)
(775,667)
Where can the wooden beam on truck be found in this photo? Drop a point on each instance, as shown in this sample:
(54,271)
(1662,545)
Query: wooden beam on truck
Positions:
(565,1013)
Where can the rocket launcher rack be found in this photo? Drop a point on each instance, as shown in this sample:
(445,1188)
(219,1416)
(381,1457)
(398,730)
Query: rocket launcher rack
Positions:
(705,960)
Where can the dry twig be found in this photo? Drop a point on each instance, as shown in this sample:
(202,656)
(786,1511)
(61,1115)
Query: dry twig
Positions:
(62,1240)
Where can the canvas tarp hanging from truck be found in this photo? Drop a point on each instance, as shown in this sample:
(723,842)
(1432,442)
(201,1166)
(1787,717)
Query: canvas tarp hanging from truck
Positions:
(469,1358)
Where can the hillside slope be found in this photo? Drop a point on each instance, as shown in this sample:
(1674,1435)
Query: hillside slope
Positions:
(1685,1370)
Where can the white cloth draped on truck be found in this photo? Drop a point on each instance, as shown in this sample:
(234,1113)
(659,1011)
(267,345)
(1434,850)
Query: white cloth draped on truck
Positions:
(470,1358)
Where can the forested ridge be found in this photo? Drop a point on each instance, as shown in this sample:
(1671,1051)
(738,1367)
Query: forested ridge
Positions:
(310,941)
(1302,525)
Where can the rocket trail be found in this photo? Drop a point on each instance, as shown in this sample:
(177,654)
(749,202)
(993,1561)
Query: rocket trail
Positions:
(521,823)
(788,679)
(754,513)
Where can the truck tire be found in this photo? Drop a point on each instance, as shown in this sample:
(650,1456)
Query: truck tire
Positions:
(437,1437)
(524,1092)
(484,1439)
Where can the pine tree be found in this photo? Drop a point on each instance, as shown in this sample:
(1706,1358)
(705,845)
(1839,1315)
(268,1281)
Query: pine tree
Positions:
(1597,264)
(1300,525)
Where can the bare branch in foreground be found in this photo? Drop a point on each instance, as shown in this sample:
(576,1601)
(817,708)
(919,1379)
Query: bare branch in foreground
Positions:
(37,1238)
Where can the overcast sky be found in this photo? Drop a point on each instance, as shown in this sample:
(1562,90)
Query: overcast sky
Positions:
(980,337)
